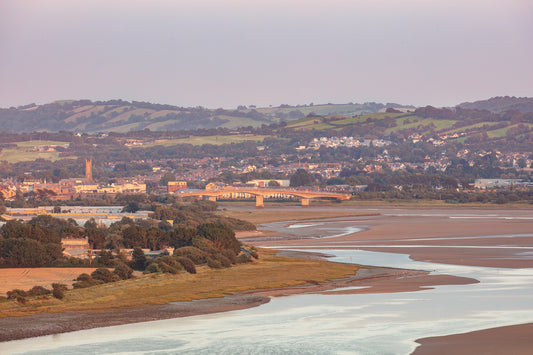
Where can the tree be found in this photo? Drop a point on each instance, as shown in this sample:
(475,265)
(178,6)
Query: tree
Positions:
(134,236)
(95,237)
(450,182)
(301,178)
(166,178)
(123,271)
(131,207)
(273,183)
(221,235)
(138,259)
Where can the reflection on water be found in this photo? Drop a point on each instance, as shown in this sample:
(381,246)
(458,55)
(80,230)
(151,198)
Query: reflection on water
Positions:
(321,324)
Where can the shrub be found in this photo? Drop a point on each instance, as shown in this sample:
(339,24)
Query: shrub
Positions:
(204,244)
(253,253)
(85,280)
(243,259)
(196,255)
(152,268)
(164,267)
(230,254)
(38,291)
(187,264)
(104,275)
(58,290)
(123,271)
(168,264)
(223,260)
(84,277)
(16,293)
(214,263)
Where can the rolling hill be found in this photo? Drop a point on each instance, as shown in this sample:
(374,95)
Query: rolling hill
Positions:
(85,116)
(501,104)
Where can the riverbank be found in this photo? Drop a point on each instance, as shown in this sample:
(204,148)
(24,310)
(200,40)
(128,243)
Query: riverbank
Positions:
(404,231)
(439,235)
(366,280)
(515,339)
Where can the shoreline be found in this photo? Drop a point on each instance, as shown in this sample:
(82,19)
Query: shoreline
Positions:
(373,280)
(512,339)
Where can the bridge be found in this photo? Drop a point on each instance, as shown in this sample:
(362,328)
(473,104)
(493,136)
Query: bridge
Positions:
(263,193)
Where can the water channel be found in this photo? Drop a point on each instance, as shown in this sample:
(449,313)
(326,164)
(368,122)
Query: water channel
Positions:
(387,323)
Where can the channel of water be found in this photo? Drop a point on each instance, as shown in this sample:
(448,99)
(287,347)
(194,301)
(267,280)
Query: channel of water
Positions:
(321,324)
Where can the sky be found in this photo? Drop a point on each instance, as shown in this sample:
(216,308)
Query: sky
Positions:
(224,53)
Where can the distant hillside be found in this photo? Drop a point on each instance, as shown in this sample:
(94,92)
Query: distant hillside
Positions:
(86,116)
(501,104)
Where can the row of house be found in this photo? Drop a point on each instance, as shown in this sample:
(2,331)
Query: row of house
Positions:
(67,189)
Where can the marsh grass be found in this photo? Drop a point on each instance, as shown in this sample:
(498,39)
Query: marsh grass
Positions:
(268,272)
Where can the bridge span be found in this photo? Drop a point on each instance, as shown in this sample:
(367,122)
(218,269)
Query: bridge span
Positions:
(261,193)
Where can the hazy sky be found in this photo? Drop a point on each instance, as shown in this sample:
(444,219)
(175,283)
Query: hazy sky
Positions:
(223,53)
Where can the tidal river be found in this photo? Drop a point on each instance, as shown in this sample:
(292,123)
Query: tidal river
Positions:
(386,323)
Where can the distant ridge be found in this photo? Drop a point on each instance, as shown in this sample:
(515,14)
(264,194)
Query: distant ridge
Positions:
(86,116)
(501,104)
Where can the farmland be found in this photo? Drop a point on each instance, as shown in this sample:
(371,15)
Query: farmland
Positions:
(31,150)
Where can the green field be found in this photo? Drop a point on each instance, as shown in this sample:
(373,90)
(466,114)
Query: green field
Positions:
(26,151)
(498,133)
(216,140)
(439,124)
(364,118)
(474,126)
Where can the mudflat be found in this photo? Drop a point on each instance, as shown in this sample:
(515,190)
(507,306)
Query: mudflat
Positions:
(488,237)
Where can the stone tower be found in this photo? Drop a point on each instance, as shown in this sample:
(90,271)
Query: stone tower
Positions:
(89,169)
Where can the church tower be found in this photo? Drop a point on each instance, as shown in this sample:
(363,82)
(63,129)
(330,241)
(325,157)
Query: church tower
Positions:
(89,169)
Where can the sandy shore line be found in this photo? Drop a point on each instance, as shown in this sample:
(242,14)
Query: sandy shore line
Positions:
(515,339)
(378,232)
(436,235)
(372,280)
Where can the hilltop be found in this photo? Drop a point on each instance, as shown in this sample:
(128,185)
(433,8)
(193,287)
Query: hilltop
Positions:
(85,116)
(501,104)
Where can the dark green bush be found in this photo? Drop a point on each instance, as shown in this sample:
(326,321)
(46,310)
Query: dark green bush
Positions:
(153,268)
(123,271)
(16,293)
(214,263)
(38,291)
(164,267)
(196,255)
(243,259)
(223,260)
(204,244)
(104,275)
(58,290)
(230,254)
(187,264)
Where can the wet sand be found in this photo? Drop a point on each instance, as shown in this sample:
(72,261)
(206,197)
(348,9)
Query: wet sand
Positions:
(374,280)
(426,237)
(441,235)
(514,340)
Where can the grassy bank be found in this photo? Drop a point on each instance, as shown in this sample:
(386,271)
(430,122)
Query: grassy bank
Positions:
(269,271)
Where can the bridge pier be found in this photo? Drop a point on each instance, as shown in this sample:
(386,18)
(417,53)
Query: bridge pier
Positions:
(259,201)
(305,202)
(213,198)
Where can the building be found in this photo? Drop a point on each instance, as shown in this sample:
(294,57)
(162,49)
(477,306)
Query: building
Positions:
(484,184)
(176,185)
(89,169)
